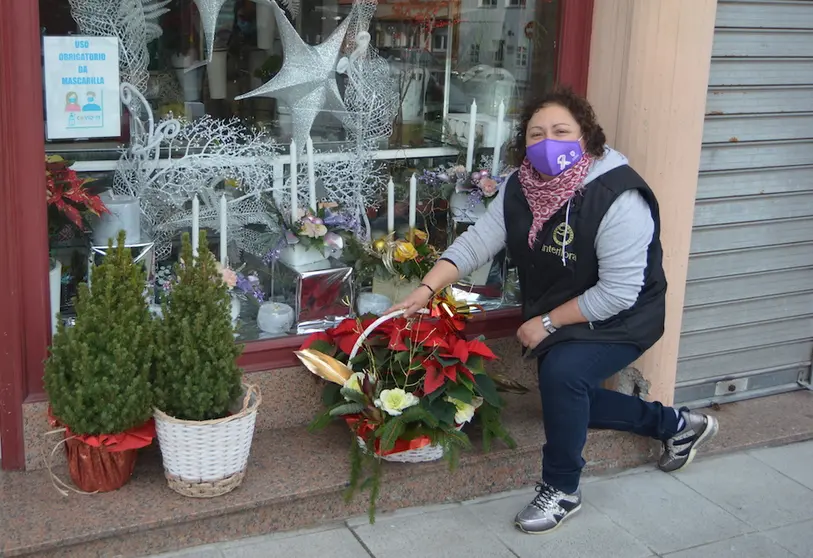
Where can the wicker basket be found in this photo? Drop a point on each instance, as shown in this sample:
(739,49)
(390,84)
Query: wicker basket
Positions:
(203,459)
(430,452)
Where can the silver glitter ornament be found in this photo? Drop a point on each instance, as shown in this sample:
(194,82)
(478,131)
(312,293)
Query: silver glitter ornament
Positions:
(209,11)
(307,81)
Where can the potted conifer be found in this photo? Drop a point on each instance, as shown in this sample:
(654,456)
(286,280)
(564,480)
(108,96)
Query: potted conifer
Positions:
(98,374)
(204,414)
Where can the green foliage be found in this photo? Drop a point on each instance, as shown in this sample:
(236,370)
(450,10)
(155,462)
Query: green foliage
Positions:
(98,374)
(196,373)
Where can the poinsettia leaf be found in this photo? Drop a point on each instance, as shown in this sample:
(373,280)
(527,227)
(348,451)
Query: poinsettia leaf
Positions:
(331,394)
(354,396)
(443,411)
(476,364)
(434,378)
(322,346)
(477,347)
(461,393)
(346,409)
(488,389)
(390,432)
(447,361)
(429,397)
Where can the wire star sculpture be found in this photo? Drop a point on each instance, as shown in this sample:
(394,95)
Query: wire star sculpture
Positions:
(307,81)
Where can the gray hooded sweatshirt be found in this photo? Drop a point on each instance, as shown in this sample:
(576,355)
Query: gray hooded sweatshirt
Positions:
(621,245)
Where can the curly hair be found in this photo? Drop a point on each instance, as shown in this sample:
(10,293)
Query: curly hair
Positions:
(578,106)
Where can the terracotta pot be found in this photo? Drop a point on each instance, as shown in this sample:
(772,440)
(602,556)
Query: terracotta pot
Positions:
(95,469)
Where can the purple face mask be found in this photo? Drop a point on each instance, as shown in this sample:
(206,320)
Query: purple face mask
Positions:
(553,157)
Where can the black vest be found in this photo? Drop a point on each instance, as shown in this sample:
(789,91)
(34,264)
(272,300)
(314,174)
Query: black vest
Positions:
(547,283)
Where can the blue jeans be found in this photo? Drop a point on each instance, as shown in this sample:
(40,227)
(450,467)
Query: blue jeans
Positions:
(570,377)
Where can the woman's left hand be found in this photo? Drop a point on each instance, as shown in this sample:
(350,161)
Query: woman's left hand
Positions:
(532,332)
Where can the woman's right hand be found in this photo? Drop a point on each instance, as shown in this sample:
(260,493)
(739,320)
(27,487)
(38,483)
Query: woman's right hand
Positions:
(414,301)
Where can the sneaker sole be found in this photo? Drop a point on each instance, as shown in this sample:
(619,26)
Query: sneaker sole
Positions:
(710,432)
(570,513)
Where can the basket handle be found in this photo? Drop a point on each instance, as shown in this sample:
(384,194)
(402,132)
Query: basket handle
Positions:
(375,324)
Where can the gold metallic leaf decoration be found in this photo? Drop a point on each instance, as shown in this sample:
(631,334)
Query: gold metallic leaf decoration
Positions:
(507,385)
(324,366)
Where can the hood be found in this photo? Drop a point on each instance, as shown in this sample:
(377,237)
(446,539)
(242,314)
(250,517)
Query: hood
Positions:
(612,159)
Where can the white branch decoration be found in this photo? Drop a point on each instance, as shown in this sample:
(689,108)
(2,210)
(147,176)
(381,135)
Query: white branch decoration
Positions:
(170,162)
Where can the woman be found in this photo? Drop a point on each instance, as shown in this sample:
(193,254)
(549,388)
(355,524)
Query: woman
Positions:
(583,229)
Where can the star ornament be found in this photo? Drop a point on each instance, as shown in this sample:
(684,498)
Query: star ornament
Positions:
(307,81)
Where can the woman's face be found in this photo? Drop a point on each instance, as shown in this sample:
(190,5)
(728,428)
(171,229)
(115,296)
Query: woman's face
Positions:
(553,122)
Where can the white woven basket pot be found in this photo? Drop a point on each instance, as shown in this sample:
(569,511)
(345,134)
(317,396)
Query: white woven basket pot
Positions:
(430,452)
(203,459)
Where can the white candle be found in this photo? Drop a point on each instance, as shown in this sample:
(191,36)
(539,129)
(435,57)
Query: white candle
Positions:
(294,201)
(390,207)
(224,227)
(495,168)
(472,136)
(413,201)
(311,176)
(195,224)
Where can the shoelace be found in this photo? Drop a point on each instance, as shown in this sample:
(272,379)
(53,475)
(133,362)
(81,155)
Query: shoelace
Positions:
(545,497)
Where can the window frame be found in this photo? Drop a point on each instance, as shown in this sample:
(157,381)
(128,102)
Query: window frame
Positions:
(24,246)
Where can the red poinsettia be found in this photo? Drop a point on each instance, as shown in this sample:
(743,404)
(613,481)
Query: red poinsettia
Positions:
(67,195)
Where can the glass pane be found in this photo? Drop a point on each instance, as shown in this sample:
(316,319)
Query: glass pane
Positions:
(440,56)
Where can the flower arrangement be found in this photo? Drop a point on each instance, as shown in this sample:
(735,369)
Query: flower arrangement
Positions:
(321,231)
(420,382)
(68,198)
(479,185)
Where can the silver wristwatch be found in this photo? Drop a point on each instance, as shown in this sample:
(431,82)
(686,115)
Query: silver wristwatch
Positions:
(548,325)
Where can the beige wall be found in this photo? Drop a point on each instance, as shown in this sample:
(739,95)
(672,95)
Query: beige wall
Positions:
(649,67)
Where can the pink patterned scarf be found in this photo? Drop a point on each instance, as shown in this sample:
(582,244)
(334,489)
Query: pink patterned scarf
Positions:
(546,197)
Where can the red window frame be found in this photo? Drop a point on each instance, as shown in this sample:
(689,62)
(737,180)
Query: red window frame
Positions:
(25,325)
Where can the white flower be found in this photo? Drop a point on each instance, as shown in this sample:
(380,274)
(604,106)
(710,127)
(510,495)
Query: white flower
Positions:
(465,411)
(354,382)
(394,401)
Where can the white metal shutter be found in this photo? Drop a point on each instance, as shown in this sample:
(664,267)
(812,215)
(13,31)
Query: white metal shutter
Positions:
(748,317)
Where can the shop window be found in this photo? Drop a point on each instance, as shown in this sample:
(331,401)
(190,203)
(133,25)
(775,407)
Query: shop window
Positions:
(430,80)
(515,3)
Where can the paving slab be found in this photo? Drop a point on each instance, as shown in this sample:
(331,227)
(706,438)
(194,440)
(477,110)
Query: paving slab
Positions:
(454,533)
(748,546)
(336,543)
(197,552)
(751,490)
(797,538)
(793,460)
(588,533)
(661,512)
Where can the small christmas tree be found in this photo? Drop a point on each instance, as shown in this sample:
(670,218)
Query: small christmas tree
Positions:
(196,373)
(98,374)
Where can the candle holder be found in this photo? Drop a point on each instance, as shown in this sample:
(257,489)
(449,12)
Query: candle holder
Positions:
(275,318)
(297,255)
(125,214)
(142,252)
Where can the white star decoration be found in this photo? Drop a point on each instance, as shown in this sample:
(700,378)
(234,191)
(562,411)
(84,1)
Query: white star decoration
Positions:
(307,81)
(209,11)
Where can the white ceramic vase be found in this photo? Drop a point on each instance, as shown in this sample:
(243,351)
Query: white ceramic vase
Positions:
(235,309)
(372,303)
(297,255)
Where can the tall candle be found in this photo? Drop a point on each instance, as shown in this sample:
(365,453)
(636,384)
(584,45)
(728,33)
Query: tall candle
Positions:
(195,225)
(224,227)
(311,176)
(390,207)
(413,201)
(294,199)
(495,168)
(472,136)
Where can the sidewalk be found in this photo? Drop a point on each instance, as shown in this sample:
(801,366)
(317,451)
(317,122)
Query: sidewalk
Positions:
(754,504)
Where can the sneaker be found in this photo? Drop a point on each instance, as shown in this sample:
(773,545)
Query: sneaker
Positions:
(679,450)
(547,510)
